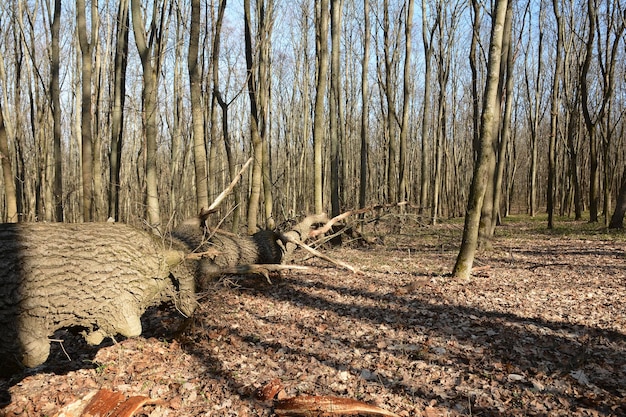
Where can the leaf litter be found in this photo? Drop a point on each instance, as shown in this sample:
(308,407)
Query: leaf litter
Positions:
(540,329)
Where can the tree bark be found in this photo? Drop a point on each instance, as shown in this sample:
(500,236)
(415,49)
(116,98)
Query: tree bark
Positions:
(55,92)
(406,100)
(197,113)
(150,55)
(554,112)
(617,219)
(365,105)
(87,154)
(335,114)
(98,276)
(7,173)
(321,42)
(465,259)
(117,113)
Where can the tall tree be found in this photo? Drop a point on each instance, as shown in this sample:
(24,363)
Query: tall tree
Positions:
(465,259)
(258,91)
(55,93)
(554,112)
(197,109)
(617,219)
(7,173)
(428,33)
(335,113)
(151,47)
(87,158)
(322,13)
(406,100)
(364,105)
(117,112)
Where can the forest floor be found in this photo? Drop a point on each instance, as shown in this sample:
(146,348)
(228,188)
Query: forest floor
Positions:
(539,330)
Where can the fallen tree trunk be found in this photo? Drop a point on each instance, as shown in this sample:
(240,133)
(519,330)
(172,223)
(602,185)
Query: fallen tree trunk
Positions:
(98,276)
(101,277)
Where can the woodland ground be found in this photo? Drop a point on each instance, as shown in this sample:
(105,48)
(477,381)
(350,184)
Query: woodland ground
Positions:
(539,330)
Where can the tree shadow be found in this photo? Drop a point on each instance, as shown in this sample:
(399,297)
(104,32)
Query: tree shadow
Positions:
(500,345)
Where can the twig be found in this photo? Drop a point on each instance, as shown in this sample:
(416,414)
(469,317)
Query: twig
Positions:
(349,213)
(230,187)
(321,255)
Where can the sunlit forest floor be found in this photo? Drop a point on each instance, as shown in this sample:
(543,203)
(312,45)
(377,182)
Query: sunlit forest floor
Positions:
(539,330)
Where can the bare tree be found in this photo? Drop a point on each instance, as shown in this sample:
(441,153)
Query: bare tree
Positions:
(428,33)
(465,259)
(55,93)
(258,90)
(150,48)
(335,113)
(86,48)
(365,105)
(197,113)
(7,173)
(406,93)
(321,41)
(117,112)
(554,115)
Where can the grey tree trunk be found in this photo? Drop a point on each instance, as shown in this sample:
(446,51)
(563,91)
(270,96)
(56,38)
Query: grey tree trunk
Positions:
(117,112)
(87,155)
(197,113)
(7,173)
(365,106)
(617,219)
(55,92)
(465,259)
(321,42)
(98,276)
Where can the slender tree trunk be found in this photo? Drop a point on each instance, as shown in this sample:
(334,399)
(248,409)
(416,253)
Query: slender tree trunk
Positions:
(85,127)
(404,129)
(335,97)
(197,113)
(427,40)
(617,219)
(505,134)
(150,55)
(321,41)
(7,173)
(365,106)
(117,114)
(392,153)
(55,92)
(554,112)
(465,259)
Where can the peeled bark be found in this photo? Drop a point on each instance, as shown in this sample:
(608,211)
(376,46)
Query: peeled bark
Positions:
(98,276)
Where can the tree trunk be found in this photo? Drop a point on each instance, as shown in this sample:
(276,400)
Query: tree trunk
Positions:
(365,105)
(554,112)
(87,154)
(197,114)
(617,219)
(117,113)
(321,42)
(427,40)
(150,61)
(406,89)
(7,173)
(98,276)
(465,259)
(55,92)
(334,114)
